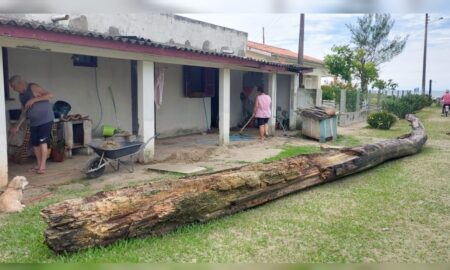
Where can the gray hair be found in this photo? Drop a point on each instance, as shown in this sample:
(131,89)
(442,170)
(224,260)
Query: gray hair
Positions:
(15,79)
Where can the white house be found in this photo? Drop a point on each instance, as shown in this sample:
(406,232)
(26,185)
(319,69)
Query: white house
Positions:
(204,71)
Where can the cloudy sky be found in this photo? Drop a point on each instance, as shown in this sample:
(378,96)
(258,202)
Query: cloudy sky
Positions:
(322,31)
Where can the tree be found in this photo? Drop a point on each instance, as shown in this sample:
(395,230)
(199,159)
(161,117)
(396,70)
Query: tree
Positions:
(370,35)
(366,71)
(385,85)
(379,84)
(340,63)
(391,85)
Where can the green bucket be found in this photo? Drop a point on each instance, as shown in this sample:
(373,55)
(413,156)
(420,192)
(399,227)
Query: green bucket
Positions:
(108,130)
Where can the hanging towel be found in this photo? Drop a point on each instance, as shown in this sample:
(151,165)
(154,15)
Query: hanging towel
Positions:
(159,87)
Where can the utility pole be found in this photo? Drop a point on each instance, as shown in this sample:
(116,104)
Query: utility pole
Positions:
(429,90)
(301,38)
(264,38)
(425,54)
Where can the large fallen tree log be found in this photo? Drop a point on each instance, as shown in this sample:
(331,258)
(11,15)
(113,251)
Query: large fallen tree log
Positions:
(160,207)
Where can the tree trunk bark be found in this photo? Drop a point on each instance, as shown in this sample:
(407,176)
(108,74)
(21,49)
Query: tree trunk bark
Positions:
(160,207)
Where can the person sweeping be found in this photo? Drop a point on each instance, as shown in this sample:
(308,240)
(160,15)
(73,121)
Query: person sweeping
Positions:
(262,112)
(37,108)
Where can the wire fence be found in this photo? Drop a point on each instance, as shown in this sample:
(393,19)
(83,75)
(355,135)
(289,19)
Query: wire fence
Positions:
(354,106)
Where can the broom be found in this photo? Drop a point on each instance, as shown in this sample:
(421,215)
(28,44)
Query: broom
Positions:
(242,129)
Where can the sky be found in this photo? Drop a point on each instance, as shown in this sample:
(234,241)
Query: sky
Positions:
(322,31)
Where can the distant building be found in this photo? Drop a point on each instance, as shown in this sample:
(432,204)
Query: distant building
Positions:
(309,96)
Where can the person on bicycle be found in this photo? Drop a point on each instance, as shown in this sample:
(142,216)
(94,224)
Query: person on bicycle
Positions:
(445,100)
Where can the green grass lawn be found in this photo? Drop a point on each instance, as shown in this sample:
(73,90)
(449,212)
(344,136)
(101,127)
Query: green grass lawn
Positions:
(292,151)
(396,212)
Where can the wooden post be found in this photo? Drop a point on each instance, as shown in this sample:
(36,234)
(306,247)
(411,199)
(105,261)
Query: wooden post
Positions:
(293,102)
(146,107)
(273,95)
(3,131)
(224,106)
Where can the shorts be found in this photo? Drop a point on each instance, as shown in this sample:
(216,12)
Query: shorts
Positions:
(261,121)
(41,134)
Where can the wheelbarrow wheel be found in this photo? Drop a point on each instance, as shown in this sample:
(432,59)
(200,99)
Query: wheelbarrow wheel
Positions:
(94,168)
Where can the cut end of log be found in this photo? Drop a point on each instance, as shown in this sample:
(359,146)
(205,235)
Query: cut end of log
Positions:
(157,208)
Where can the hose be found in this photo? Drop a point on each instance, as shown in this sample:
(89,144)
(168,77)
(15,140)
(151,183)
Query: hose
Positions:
(206,115)
(99,100)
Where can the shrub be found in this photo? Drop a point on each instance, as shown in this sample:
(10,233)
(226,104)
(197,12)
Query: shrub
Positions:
(406,104)
(381,120)
(327,92)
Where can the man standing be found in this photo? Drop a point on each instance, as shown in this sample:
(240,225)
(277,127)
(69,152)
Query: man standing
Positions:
(262,112)
(37,108)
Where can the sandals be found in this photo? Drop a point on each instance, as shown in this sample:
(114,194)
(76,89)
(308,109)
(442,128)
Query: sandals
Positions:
(33,170)
(36,170)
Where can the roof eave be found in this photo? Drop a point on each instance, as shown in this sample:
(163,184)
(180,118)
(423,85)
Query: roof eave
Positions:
(144,47)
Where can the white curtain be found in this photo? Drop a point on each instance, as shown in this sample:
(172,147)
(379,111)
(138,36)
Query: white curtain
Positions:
(159,87)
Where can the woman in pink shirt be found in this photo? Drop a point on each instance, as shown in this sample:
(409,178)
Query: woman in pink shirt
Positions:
(262,112)
(445,100)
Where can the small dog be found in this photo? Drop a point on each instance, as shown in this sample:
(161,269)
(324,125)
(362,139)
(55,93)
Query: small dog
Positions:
(10,199)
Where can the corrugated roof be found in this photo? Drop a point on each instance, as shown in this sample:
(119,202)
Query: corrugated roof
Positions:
(39,26)
(280,51)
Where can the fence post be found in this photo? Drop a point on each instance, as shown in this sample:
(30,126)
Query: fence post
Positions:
(358,96)
(342,103)
(378,99)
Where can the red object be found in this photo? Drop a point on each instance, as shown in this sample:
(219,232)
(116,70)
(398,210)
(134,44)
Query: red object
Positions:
(248,91)
(446,98)
(57,156)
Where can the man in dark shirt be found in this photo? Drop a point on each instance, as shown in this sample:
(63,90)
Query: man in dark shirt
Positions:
(37,109)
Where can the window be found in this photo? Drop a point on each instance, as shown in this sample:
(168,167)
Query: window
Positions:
(199,81)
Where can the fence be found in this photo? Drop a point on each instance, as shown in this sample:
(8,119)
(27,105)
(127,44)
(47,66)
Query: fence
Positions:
(354,108)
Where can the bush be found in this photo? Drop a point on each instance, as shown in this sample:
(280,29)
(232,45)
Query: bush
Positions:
(406,104)
(331,92)
(381,120)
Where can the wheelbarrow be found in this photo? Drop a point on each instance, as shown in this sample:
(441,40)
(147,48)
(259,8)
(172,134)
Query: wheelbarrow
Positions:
(114,157)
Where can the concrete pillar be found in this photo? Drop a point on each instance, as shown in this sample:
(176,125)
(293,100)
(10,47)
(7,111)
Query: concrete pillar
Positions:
(379,99)
(272,90)
(358,97)
(224,106)
(146,107)
(342,102)
(3,131)
(318,92)
(293,102)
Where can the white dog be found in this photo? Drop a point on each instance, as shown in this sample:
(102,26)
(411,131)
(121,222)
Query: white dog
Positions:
(10,199)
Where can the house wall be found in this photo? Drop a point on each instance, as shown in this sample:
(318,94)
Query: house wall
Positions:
(77,85)
(179,115)
(283,91)
(163,28)
(235,100)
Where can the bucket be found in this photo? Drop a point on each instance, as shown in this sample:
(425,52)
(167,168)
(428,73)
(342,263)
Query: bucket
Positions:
(108,130)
